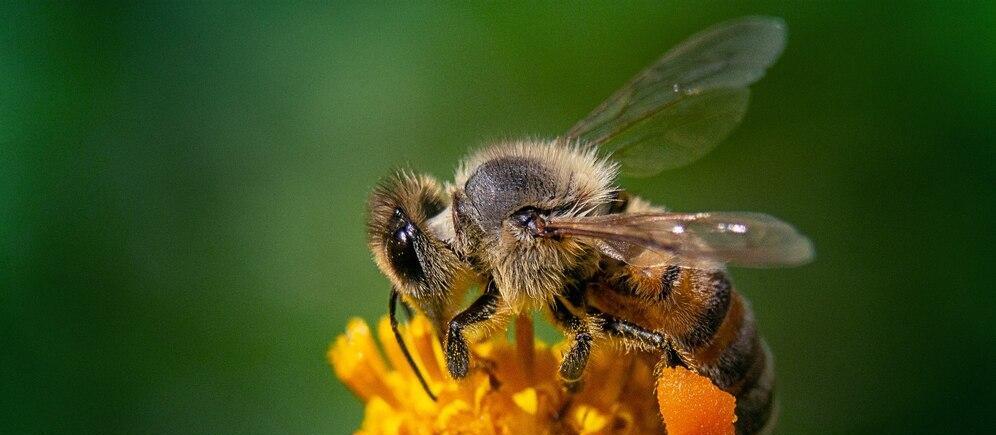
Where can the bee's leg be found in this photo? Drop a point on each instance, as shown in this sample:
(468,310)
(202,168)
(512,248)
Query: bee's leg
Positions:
(457,351)
(576,357)
(644,337)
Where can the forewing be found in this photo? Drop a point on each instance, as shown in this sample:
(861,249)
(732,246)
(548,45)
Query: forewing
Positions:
(691,239)
(679,108)
(680,133)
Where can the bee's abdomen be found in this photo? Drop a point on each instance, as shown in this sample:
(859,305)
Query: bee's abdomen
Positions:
(710,322)
(685,304)
(756,406)
(710,293)
(737,360)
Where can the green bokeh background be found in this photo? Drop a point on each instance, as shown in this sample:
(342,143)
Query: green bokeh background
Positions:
(182,189)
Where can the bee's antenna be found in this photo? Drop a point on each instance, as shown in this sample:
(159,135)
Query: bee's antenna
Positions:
(392,311)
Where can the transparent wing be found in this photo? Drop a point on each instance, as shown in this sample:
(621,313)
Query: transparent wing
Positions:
(690,239)
(679,108)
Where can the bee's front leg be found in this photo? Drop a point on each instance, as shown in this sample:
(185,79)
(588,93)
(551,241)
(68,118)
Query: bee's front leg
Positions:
(457,351)
(583,329)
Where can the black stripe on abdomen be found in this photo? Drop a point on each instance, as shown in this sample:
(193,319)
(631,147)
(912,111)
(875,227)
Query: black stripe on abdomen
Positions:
(713,313)
(745,370)
(756,398)
(736,361)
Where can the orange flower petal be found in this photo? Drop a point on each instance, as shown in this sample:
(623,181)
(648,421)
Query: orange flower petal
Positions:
(426,347)
(527,400)
(391,348)
(357,362)
(589,420)
(498,396)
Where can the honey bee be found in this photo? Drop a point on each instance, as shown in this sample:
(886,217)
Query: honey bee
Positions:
(541,225)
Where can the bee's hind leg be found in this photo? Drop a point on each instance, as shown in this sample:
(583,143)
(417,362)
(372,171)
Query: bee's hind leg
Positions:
(644,337)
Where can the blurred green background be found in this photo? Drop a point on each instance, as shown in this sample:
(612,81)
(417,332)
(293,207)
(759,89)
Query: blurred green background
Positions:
(182,189)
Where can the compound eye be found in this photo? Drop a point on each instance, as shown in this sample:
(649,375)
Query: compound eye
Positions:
(405,234)
(401,248)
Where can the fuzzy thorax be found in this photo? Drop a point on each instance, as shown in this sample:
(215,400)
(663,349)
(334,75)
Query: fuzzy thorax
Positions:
(574,172)
(551,179)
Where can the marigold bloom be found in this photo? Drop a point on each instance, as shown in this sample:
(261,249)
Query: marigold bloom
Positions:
(514,390)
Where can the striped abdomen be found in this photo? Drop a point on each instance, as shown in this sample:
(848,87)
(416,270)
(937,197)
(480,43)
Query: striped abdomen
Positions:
(709,324)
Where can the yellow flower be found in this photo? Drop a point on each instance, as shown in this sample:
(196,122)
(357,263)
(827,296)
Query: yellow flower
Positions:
(515,388)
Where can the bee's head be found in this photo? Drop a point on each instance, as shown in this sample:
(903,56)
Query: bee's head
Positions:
(506,193)
(417,262)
